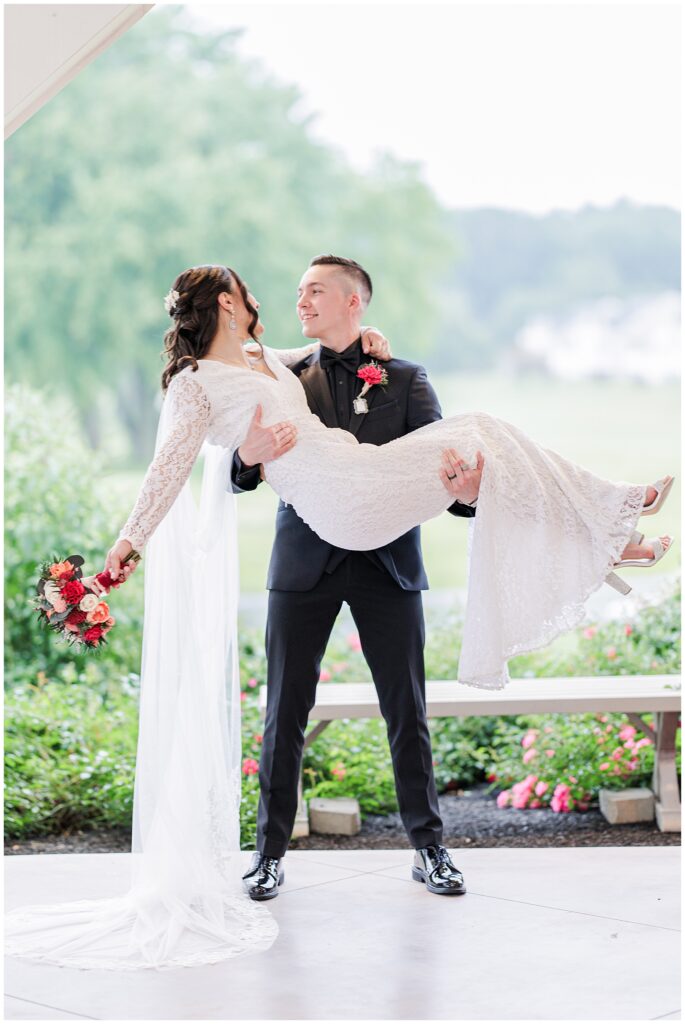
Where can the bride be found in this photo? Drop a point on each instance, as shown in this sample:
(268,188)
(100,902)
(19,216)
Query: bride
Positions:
(546,530)
(546,535)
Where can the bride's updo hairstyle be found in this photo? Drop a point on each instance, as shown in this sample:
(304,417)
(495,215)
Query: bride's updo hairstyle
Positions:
(193,307)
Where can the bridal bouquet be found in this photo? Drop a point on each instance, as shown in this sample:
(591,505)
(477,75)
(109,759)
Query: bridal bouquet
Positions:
(65,605)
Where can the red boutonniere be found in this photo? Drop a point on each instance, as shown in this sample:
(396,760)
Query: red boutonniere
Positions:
(372,374)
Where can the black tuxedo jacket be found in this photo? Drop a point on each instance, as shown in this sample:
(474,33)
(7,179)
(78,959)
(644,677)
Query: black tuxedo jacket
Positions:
(299,557)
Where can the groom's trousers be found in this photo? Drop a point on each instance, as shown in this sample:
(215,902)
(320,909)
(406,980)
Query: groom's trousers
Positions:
(392,635)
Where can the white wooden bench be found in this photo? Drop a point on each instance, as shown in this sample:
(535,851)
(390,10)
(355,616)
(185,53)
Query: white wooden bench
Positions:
(629,695)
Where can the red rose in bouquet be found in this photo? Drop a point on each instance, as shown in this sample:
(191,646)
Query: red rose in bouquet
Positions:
(76,617)
(73,591)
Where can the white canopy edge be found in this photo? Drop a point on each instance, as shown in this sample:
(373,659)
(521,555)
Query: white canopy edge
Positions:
(46,45)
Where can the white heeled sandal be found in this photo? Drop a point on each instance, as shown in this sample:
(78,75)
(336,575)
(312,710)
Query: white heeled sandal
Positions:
(641,563)
(663,489)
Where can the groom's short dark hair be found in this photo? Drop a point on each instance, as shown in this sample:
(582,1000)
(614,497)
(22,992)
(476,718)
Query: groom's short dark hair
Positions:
(352,270)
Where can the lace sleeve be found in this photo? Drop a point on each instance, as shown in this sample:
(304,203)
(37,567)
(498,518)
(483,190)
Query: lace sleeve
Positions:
(290,356)
(189,417)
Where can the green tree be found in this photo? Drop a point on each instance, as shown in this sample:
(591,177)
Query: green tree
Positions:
(168,151)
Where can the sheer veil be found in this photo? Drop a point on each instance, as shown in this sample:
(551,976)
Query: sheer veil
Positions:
(185,905)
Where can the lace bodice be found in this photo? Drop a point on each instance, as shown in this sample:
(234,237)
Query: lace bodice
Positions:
(216,402)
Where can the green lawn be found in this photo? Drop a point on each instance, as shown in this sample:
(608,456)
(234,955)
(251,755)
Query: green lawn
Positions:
(618,430)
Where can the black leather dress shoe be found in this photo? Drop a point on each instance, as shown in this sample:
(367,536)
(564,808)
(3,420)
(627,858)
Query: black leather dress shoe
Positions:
(433,865)
(263,878)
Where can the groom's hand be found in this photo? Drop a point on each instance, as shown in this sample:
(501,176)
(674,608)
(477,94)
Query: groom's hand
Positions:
(264,444)
(459,479)
(375,344)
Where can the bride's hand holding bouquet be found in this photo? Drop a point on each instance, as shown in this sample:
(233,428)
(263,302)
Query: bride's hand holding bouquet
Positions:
(121,561)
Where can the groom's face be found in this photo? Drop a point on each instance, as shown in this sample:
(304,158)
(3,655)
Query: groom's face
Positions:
(325,301)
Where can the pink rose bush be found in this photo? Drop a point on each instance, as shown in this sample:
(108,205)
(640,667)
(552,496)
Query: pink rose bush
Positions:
(575,765)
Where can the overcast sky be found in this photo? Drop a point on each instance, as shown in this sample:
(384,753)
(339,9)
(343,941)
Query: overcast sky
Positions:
(526,106)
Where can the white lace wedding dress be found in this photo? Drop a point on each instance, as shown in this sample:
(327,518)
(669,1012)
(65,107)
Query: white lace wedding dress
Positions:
(545,535)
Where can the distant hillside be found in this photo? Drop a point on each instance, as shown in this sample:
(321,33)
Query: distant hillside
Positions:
(515,267)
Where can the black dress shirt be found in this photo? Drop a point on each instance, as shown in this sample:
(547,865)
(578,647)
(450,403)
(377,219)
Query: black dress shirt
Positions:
(341,370)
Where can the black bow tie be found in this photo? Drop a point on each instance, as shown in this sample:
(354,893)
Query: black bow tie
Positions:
(349,360)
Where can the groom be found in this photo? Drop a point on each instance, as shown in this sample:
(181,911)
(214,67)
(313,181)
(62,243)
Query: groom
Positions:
(309,580)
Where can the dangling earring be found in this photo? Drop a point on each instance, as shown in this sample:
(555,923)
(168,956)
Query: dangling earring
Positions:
(232,325)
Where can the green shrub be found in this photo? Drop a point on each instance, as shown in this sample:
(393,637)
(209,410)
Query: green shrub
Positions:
(352,758)
(56,503)
(461,749)
(70,748)
(69,753)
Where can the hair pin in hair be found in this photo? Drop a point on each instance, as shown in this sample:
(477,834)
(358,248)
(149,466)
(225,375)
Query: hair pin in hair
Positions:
(170,301)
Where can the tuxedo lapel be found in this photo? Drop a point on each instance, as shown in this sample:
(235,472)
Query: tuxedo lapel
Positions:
(314,380)
(315,383)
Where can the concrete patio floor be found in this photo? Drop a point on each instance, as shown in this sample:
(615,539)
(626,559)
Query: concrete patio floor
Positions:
(542,934)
